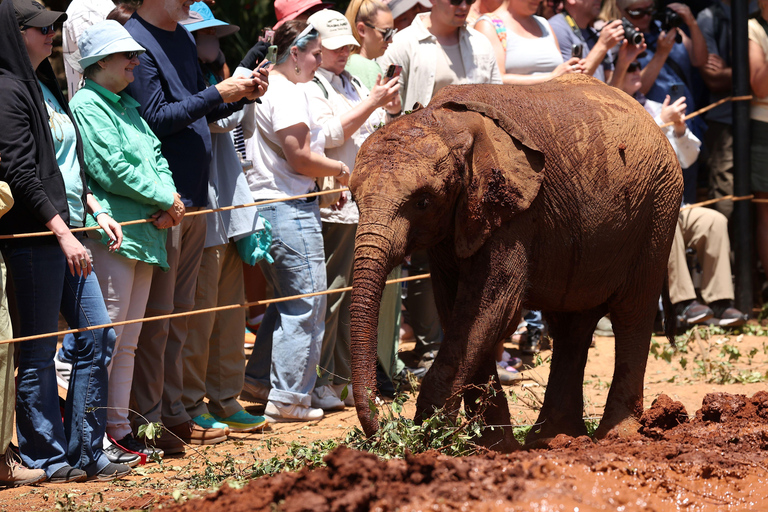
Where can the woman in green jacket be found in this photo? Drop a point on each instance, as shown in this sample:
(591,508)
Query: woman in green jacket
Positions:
(130,177)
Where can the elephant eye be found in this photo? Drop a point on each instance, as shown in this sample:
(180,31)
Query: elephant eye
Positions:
(423,203)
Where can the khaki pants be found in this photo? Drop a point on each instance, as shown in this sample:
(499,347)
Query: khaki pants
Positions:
(7,382)
(214,356)
(706,231)
(158,370)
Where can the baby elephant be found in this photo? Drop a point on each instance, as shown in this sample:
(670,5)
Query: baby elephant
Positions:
(560,197)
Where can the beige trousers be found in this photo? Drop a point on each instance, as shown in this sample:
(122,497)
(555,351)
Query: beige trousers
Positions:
(706,231)
(214,356)
(7,381)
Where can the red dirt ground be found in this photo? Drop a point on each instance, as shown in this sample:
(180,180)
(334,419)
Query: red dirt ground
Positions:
(714,462)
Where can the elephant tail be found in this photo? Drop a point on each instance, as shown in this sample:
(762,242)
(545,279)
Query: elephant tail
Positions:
(669,313)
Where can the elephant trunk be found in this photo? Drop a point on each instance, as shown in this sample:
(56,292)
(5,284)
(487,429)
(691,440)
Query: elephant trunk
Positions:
(374,259)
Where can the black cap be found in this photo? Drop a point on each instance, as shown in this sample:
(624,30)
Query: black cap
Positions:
(32,14)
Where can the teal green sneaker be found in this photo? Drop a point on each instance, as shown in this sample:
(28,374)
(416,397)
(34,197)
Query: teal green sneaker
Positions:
(241,421)
(208,421)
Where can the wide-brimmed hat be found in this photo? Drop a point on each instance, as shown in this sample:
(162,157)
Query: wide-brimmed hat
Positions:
(32,14)
(399,7)
(200,17)
(290,9)
(102,39)
(334,29)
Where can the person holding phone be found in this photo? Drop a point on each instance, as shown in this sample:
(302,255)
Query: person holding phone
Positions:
(348,113)
(373,28)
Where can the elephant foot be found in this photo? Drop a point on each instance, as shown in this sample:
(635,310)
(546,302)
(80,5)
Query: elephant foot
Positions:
(623,429)
(499,439)
(547,429)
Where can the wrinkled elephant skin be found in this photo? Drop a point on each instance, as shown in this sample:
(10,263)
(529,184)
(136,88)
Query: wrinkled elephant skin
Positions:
(560,197)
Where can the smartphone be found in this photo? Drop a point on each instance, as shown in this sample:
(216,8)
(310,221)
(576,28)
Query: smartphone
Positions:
(577,50)
(676,91)
(393,71)
(270,58)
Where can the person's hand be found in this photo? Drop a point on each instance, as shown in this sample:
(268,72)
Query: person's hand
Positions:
(666,42)
(261,82)
(674,113)
(238,87)
(715,64)
(628,53)
(394,107)
(338,205)
(162,219)
(384,91)
(177,211)
(572,65)
(343,176)
(684,12)
(78,261)
(612,34)
(113,230)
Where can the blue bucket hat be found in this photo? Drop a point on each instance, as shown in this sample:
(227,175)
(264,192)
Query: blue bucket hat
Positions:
(200,17)
(103,39)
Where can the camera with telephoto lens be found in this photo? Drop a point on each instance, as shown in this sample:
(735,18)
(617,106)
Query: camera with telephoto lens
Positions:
(631,34)
(670,20)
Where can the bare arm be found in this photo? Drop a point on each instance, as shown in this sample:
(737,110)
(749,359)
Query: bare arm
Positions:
(611,35)
(758,70)
(717,76)
(696,44)
(383,94)
(651,71)
(295,142)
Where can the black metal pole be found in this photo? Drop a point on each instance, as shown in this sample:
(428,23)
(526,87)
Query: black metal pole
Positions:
(742,211)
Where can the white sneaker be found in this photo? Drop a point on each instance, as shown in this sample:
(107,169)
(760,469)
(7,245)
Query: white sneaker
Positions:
(255,393)
(325,398)
(63,371)
(279,412)
(349,401)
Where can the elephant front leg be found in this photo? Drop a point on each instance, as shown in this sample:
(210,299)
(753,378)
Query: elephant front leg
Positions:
(563,405)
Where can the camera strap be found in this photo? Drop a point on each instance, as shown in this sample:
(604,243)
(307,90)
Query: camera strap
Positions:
(576,30)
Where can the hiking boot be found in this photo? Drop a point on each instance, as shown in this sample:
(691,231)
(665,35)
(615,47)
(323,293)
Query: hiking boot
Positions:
(118,455)
(67,474)
(279,412)
(144,450)
(241,421)
(325,398)
(532,343)
(13,473)
(63,370)
(208,421)
(692,313)
(192,433)
(727,315)
(255,393)
(111,471)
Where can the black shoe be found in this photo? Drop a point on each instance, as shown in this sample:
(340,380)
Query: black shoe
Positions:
(67,474)
(727,315)
(118,455)
(408,379)
(532,343)
(692,313)
(143,450)
(111,471)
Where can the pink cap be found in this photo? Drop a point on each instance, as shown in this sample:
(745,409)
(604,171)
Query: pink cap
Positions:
(290,9)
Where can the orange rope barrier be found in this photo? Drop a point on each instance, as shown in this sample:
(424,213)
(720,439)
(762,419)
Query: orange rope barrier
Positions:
(710,107)
(201,311)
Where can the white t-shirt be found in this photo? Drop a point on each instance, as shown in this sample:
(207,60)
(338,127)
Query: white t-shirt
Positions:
(284,104)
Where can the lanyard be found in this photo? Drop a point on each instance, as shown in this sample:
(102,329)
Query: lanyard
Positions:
(574,27)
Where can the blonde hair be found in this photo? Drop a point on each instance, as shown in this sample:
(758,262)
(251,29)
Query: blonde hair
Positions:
(365,11)
(610,11)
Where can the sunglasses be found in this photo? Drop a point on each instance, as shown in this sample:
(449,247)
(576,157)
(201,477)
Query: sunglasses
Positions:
(639,13)
(633,67)
(130,55)
(457,3)
(386,33)
(43,30)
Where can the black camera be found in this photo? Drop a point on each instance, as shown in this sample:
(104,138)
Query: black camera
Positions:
(631,34)
(670,20)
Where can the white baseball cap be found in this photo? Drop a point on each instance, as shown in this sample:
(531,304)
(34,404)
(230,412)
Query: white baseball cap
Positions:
(399,7)
(334,28)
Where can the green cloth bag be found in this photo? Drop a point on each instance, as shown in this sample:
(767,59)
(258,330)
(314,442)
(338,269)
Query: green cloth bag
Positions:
(255,247)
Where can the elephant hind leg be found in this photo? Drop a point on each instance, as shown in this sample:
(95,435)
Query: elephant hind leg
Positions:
(562,411)
(497,434)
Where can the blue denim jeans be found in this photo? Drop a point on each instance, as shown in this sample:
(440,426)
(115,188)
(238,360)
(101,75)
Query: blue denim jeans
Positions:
(44,286)
(287,349)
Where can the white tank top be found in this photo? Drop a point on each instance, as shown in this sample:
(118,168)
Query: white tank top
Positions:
(532,56)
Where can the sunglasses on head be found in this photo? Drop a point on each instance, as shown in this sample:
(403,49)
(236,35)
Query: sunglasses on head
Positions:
(639,13)
(457,3)
(386,33)
(634,66)
(43,30)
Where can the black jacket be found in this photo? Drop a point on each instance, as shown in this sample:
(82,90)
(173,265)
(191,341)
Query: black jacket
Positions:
(26,146)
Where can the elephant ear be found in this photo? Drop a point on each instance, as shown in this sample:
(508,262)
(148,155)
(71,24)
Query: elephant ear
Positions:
(503,174)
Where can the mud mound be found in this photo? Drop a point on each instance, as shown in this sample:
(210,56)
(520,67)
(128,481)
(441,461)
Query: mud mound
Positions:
(716,461)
